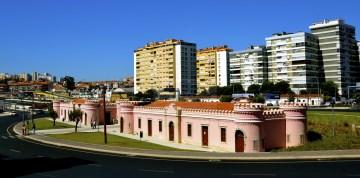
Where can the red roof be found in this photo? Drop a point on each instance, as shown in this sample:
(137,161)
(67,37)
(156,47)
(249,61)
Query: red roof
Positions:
(195,105)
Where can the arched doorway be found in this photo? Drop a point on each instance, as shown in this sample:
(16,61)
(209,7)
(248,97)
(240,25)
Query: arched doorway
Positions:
(171,131)
(121,125)
(239,141)
(85,118)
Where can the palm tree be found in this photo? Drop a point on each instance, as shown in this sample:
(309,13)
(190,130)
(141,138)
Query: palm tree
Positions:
(53,114)
(76,116)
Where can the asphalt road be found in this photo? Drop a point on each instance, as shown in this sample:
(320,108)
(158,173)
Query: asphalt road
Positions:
(22,158)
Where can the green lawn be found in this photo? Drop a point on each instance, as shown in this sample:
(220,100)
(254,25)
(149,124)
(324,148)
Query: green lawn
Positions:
(320,131)
(44,124)
(113,140)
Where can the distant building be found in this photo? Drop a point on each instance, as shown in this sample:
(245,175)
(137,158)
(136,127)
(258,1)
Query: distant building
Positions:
(212,67)
(34,76)
(249,66)
(171,63)
(25,76)
(339,53)
(294,57)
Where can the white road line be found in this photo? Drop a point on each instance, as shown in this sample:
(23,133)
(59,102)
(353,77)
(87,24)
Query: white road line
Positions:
(253,174)
(97,165)
(46,175)
(12,136)
(15,151)
(4,137)
(149,170)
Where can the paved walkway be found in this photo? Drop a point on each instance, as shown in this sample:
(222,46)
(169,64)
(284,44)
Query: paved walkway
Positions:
(205,154)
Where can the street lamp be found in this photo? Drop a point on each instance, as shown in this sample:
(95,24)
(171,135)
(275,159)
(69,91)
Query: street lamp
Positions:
(98,116)
(105,136)
(319,86)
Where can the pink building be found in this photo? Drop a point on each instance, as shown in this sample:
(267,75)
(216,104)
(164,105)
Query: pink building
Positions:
(228,127)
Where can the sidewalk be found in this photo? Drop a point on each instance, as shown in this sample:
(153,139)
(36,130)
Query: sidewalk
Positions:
(193,155)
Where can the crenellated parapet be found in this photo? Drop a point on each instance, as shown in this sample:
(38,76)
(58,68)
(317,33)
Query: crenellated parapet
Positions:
(294,110)
(274,114)
(248,111)
(210,112)
(248,106)
(149,109)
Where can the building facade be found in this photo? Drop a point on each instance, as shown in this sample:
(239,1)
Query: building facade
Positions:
(223,127)
(212,67)
(249,66)
(171,63)
(358,43)
(339,52)
(34,76)
(294,57)
(25,76)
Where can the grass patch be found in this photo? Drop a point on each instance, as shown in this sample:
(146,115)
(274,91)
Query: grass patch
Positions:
(43,124)
(320,131)
(113,140)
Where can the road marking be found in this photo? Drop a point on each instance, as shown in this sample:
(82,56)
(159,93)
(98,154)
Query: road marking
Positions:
(149,170)
(15,151)
(46,175)
(253,174)
(97,165)
(12,136)
(4,137)
(214,160)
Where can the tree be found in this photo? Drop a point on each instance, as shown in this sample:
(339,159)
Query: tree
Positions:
(75,116)
(151,93)
(291,96)
(214,90)
(267,87)
(258,99)
(204,93)
(304,92)
(329,89)
(69,82)
(226,98)
(357,97)
(238,88)
(282,87)
(53,114)
(254,88)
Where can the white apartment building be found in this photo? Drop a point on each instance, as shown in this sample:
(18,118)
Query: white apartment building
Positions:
(339,53)
(168,64)
(249,66)
(293,57)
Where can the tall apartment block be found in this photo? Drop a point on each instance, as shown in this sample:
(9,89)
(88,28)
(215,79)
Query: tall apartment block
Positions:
(339,52)
(34,76)
(167,64)
(25,76)
(294,57)
(249,66)
(212,67)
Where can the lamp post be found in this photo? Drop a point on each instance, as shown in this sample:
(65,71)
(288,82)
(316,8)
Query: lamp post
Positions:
(105,136)
(23,113)
(98,116)
(318,86)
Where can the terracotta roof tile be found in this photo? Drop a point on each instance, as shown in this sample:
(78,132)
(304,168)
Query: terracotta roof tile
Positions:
(195,105)
(78,101)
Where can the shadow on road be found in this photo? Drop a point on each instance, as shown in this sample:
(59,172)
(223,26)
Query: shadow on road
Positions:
(22,167)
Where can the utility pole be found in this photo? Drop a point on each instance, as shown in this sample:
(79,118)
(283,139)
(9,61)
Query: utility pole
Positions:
(105,136)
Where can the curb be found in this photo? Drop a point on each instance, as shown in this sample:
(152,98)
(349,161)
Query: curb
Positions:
(168,155)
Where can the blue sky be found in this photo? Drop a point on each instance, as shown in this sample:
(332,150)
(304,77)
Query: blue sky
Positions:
(95,40)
